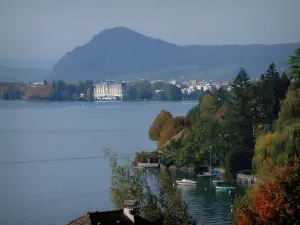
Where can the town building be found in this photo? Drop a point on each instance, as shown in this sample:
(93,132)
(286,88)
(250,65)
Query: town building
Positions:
(109,90)
(193,82)
(172,81)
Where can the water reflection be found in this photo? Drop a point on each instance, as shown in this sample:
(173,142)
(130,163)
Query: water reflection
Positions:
(206,204)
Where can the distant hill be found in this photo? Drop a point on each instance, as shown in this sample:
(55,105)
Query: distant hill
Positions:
(120,53)
(22,74)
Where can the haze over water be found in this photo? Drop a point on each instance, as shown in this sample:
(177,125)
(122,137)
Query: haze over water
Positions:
(52,168)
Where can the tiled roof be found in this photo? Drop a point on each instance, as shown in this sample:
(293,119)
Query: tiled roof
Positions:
(178,137)
(83,220)
(220,113)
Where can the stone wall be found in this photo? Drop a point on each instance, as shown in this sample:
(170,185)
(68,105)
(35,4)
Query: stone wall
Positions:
(147,165)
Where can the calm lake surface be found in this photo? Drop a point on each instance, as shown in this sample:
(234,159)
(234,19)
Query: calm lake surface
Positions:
(52,168)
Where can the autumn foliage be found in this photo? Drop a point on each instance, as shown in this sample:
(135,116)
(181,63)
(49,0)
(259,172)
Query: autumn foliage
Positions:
(164,127)
(273,202)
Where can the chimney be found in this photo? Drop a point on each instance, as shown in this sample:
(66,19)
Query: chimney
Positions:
(128,209)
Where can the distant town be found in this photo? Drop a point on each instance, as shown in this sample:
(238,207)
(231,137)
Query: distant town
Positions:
(108,90)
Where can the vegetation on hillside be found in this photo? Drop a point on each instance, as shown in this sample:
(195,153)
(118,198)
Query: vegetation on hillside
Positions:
(159,91)
(226,123)
(275,199)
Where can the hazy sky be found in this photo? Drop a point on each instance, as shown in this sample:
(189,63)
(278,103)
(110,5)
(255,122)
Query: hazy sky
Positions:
(46,29)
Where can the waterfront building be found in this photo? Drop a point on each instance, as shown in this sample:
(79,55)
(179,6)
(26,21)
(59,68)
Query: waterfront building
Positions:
(172,81)
(193,82)
(109,90)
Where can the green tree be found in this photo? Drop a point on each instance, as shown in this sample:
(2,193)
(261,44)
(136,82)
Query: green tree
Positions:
(294,65)
(172,92)
(237,128)
(271,90)
(290,109)
(220,97)
(207,107)
(165,207)
(239,116)
(160,96)
(180,123)
(90,90)
(132,93)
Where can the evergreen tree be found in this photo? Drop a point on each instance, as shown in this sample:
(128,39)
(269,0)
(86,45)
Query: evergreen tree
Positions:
(236,132)
(294,64)
(240,113)
(268,92)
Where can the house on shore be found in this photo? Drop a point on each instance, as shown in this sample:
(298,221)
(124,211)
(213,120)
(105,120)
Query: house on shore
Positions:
(127,216)
(178,137)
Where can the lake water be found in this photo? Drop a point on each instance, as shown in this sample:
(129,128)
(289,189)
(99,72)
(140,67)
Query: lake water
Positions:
(52,168)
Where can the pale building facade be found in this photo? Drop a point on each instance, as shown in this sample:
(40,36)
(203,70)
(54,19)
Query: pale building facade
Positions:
(109,90)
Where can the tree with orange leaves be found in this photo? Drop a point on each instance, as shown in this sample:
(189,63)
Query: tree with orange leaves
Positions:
(272,202)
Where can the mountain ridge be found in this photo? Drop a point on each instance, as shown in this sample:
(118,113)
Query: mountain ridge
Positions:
(122,53)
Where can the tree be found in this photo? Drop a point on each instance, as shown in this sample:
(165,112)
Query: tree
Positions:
(132,93)
(165,207)
(58,88)
(167,132)
(220,97)
(294,65)
(180,123)
(193,114)
(164,117)
(290,109)
(271,89)
(236,131)
(239,116)
(172,92)
(207,107)
(263,148)
(273,202)
(144,91)
(90,90)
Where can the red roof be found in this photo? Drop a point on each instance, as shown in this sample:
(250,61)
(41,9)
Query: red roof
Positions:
(220,113)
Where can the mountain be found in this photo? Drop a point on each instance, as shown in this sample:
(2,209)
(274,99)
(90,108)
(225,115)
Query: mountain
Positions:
(121,53)
(22,74)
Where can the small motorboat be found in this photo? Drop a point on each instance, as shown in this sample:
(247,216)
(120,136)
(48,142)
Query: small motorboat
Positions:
(217,181)
(222,186)
(185,182)
(206,174)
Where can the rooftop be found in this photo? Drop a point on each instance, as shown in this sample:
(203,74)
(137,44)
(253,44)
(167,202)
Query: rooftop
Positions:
(102,218)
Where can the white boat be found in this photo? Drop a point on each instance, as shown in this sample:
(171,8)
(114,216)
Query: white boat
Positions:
(185,182)
(217,181)
(224,187)
(206,174)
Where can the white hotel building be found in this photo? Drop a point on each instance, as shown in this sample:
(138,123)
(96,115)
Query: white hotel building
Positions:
(109,90)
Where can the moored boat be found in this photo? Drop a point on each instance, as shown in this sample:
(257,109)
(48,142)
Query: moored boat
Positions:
(185,182)
(218,181)
(222,186)
(206,174)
